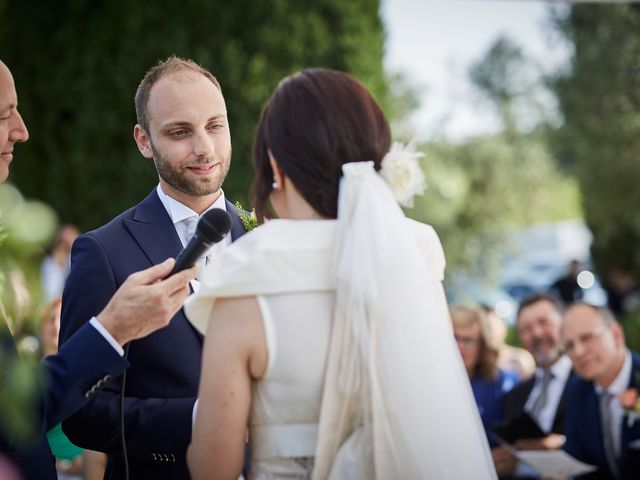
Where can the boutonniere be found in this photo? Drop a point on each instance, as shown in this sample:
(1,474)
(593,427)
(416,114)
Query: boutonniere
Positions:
(249,220)
(630,400)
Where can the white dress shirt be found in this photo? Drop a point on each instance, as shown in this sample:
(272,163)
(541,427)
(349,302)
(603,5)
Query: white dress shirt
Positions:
(560,373)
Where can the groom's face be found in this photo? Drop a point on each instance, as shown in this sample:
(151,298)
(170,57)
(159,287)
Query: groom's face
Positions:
(12,128)
(188,135)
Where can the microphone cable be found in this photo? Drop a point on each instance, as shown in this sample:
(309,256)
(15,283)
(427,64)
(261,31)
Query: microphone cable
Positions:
(123,439)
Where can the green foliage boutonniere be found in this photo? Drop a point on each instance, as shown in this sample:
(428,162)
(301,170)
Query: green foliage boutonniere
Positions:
(249,220)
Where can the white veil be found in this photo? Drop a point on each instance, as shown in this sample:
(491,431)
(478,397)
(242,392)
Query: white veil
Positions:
(396,401)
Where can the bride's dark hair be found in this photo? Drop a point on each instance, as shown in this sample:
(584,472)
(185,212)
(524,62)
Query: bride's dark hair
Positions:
(316,121)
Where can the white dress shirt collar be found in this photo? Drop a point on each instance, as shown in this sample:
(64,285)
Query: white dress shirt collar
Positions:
(179,211)
(621,382)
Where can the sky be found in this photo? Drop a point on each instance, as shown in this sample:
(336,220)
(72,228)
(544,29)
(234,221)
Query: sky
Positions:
(433,42)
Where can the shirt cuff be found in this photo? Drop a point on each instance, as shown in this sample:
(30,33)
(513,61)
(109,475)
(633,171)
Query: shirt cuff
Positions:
(107,336)
(194,414)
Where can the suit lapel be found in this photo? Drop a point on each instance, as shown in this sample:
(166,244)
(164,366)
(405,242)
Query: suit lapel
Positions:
(153,230)
(558,419)
(630,433)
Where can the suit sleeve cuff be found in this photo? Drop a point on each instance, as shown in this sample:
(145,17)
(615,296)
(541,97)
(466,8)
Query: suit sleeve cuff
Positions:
(107,336)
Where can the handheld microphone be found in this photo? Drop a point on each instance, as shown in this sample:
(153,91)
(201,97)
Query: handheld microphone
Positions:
(212,227)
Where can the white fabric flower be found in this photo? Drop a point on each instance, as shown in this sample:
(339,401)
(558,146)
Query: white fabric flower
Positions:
(402,173)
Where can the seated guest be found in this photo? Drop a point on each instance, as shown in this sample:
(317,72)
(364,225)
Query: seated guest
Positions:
(480,357)
(599,431)
(510,358)
(534,410)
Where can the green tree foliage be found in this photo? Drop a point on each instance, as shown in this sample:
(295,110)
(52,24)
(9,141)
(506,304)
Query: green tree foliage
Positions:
(482,189)
(77,64)
(600,100)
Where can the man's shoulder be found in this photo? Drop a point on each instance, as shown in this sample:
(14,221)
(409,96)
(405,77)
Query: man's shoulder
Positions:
(116,224)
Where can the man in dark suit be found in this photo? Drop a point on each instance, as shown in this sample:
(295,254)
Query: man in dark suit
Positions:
(599,431)
(93,355)
(534,409)
(183,127)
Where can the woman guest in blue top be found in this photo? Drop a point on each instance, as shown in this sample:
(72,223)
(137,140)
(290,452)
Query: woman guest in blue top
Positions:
(480,356)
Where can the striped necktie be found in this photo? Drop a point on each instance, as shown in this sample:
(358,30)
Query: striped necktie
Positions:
(607,431)
(541,401)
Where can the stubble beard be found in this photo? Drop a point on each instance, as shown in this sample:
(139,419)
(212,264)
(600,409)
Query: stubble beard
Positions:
(193,187)
(548,358)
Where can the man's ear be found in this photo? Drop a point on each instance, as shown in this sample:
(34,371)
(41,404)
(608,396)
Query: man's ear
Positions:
(278,174)
(143,141)
(618,334)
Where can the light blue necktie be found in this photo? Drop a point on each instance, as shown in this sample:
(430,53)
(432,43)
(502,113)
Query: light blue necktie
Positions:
(192,224)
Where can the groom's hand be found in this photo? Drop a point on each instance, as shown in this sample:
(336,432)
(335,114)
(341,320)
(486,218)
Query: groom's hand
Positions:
(145,302)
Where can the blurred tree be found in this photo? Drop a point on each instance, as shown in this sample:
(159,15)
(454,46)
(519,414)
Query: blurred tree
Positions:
(77,64)
(600,99)
(499,77)
(483,188)
(515,87)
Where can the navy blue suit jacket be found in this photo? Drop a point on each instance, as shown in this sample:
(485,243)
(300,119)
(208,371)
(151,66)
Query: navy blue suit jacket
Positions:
(162,382)
(514,402)
(584,432)
(74,374)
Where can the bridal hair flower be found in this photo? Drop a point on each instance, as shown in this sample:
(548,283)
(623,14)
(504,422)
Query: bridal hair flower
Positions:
(401,171)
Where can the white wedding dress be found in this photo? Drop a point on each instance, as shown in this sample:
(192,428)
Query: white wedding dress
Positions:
(354,389)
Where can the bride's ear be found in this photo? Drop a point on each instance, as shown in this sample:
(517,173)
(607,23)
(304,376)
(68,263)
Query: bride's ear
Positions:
(278,174)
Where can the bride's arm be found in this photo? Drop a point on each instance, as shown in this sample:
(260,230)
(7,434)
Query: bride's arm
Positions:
(234,354)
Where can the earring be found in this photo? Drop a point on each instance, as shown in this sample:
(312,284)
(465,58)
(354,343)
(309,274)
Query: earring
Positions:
(274,185)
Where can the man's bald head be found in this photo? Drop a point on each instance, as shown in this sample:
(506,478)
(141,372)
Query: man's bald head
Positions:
(12,128)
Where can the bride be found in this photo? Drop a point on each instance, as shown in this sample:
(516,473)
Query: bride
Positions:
(327,330)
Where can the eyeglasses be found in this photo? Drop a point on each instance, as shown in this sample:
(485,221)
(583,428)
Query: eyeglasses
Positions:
(467,341)
(585,339)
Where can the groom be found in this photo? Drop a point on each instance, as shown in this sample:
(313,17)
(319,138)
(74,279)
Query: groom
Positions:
(183,127)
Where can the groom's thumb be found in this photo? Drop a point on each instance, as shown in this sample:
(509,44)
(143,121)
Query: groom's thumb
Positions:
(153,274)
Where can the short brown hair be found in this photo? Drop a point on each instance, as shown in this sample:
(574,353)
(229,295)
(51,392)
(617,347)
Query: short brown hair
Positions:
(171,65)
(539,297)
(316,121)
(487,367)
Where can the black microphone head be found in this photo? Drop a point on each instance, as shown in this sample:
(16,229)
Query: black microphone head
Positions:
(213,225)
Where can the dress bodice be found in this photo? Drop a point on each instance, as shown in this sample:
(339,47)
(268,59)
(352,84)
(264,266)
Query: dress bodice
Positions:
(288,265)
(286,401)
